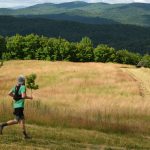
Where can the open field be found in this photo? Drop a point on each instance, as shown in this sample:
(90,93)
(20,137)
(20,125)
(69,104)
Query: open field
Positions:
(105,104)
(44,138)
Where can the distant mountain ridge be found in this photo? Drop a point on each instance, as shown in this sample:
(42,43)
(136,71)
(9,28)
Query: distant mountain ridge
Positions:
(132,13)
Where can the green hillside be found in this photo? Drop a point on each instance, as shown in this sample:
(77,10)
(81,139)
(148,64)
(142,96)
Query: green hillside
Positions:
(48,138)
(134,13)
(119,36)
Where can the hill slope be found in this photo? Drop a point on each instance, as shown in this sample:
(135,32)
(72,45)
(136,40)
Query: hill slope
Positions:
(79,106)
(119,36)
(47,138)
(134,13)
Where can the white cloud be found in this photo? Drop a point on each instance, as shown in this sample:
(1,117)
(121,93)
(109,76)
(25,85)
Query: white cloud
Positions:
(15,3)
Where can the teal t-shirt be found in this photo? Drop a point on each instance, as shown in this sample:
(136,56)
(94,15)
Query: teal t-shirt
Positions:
(19,103)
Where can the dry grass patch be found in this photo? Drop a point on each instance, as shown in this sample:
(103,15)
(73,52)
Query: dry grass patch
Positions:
(88,95)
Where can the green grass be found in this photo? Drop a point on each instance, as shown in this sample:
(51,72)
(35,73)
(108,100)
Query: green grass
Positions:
(70,139)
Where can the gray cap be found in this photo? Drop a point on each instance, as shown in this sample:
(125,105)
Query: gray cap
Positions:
(21,79)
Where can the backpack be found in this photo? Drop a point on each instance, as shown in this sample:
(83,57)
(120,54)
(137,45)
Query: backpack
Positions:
(17,96)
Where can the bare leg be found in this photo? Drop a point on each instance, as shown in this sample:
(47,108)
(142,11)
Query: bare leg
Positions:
(8,123)
(12,122)
(22,124)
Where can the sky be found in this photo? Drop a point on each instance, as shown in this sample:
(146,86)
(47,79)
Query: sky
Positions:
(18,3)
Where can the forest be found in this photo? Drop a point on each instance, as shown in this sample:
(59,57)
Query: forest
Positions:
(35,47)
(119,36)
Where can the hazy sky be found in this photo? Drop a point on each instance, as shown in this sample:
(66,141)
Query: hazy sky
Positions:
(15,3)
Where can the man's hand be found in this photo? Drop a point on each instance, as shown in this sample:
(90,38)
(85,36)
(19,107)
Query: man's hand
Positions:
(11,94)
(24,96)
(29,97)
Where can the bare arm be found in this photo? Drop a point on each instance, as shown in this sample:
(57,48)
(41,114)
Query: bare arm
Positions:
(11,94)
(24,96)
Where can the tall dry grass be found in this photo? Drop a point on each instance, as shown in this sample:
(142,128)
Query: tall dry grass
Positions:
(84,95)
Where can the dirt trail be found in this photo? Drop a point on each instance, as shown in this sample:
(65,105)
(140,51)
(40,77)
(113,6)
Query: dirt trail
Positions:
(142,76)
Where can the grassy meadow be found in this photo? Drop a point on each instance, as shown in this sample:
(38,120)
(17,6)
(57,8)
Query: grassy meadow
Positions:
(79,106)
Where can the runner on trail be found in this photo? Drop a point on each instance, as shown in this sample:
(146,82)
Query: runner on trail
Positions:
(18,93)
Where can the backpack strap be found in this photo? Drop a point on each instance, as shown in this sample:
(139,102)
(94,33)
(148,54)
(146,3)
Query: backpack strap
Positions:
(17,96)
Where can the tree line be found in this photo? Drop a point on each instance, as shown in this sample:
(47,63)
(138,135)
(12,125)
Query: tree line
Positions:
(59,49)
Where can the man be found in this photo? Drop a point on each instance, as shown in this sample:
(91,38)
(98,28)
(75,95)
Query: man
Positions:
(19,95)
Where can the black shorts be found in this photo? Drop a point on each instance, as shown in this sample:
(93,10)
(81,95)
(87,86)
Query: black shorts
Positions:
(18,112)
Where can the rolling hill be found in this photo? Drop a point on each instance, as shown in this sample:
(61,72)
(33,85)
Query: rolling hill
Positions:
(95,13)
(119,36)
